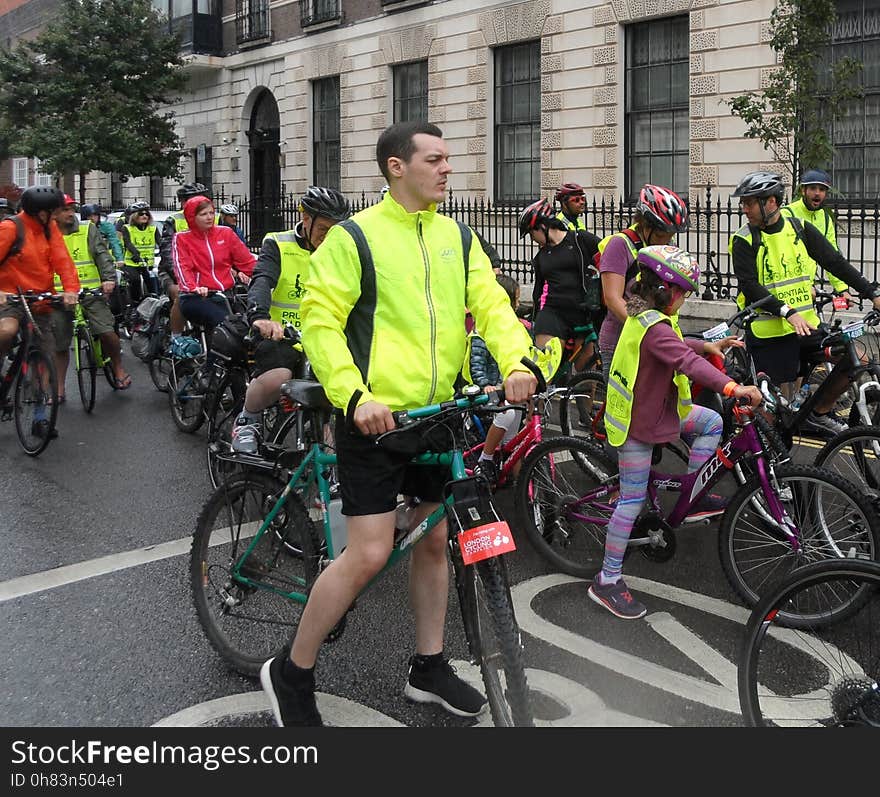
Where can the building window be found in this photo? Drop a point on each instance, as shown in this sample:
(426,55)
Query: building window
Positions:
(325,112)
(856,135)
(315,12)
(204,168)
(39,177)
(657,105)
(518,122)
(411,91)
(157,191)
(251,20)
(20,172)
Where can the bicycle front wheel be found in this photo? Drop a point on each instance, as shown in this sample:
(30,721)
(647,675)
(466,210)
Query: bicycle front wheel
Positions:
(826,673)
(494,637)
(248,615)
(833,521)
(855,455)
(86,369)
(562,500)
(35,404)
(582,405)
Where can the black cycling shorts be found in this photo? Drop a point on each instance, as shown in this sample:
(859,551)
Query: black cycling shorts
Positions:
(371,478)
(559,323)
(271,354)
(785,358)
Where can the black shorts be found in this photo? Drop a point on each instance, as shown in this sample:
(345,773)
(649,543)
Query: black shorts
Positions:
(371,478)
(559,322)
(271,354)
(786,358)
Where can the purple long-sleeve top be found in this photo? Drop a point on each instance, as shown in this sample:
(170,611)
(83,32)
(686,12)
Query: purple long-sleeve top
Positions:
(655,408)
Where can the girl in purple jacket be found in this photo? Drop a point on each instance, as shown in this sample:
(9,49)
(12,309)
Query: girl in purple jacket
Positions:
(649,355)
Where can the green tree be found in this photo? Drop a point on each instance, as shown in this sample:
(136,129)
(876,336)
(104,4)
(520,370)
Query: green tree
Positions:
(87,93)
(791,116)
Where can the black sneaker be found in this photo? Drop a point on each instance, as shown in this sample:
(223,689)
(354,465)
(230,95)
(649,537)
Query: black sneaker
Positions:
(439,684)
(42,429)
(292,706)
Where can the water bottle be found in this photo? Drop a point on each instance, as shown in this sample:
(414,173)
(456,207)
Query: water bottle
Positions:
(338,526)
(801,396)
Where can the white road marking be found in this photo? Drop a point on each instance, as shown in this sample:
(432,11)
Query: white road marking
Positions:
(70,574)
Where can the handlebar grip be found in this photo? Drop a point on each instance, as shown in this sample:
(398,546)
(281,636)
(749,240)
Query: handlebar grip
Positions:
(542,383)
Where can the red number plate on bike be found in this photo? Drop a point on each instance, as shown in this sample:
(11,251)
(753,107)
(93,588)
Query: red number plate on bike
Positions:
(840,303)
(484,542)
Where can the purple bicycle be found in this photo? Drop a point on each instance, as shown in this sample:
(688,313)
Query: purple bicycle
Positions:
(781,516)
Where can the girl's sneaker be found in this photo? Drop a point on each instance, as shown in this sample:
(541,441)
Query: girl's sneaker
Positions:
(617,599)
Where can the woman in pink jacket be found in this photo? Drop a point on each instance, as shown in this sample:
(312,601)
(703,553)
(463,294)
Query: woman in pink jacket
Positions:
(207,259)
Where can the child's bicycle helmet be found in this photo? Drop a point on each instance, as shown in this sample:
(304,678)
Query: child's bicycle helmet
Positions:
(672,265)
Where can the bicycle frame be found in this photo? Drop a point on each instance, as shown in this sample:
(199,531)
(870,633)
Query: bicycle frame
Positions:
(693,486)
(515,449)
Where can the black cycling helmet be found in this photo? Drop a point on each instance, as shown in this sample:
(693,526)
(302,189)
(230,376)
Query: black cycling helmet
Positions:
(326,202)
(761,185)
(189,190)
(41,197)
(88,210)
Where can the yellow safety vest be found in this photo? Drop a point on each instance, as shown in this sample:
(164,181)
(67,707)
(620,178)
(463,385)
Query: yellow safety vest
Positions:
(77,244)
(571,225)
(288,293)
(145,242)
(625,370)
(180,223)
(786,270)
(821,220)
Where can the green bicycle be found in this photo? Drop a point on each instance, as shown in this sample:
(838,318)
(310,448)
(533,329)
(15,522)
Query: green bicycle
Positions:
(88,355)
(262,539)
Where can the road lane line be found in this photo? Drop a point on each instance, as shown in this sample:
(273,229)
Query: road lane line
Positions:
(70,574)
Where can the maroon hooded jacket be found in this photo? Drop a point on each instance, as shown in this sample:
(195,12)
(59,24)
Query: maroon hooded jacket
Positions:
(207,259)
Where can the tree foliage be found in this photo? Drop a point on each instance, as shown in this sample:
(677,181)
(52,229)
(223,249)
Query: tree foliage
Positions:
(791,116)
(86,94)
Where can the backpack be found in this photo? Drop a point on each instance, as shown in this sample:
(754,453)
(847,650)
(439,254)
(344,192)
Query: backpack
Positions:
(633,268)
(19,238)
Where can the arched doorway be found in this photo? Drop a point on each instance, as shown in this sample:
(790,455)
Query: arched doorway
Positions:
(264,137)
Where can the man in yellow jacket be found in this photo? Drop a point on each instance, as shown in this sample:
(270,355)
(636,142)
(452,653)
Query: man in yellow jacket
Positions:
(383,327)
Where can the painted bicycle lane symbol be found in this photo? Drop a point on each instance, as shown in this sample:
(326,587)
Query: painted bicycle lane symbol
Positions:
(580,705)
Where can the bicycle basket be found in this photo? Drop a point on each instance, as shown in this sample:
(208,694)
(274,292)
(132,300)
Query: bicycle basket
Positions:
(184,347)
(227,340)
(417,439)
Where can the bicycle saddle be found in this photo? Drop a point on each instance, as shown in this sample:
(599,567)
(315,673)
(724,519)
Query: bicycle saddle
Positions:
(309,394)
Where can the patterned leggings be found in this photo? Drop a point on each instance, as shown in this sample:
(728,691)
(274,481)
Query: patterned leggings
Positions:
(701,430)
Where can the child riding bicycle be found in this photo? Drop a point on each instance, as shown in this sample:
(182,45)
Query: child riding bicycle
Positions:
(649,402)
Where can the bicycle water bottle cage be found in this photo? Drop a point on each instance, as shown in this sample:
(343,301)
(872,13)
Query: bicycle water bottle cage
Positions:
(185,347)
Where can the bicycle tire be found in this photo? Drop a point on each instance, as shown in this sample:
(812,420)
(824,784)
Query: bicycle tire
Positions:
(160,368)
(109,374)
(824,674)
(227,402)
(247,625)
(834,520)
(556,473)
(494,636)
(187,408)
(30,395)
(582,405)
(85,370)
(855,455)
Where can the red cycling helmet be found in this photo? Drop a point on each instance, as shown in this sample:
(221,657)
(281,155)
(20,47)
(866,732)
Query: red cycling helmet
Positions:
(567,190)
(68,200)
(663,209)
(538,216)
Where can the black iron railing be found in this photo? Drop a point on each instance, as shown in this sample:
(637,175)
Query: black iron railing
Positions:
(712,222)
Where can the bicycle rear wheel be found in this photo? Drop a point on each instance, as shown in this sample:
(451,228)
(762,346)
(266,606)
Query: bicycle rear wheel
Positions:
(185,397)
(824,674)
(833,521)
(228,400)
(248,618)
(85,369)
(35,402)
(494,638)
(568,533)
(582,405)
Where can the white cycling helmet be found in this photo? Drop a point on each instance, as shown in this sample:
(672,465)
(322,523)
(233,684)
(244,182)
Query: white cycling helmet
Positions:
(229,209)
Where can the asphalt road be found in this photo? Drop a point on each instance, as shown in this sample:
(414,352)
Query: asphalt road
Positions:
(99,627)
